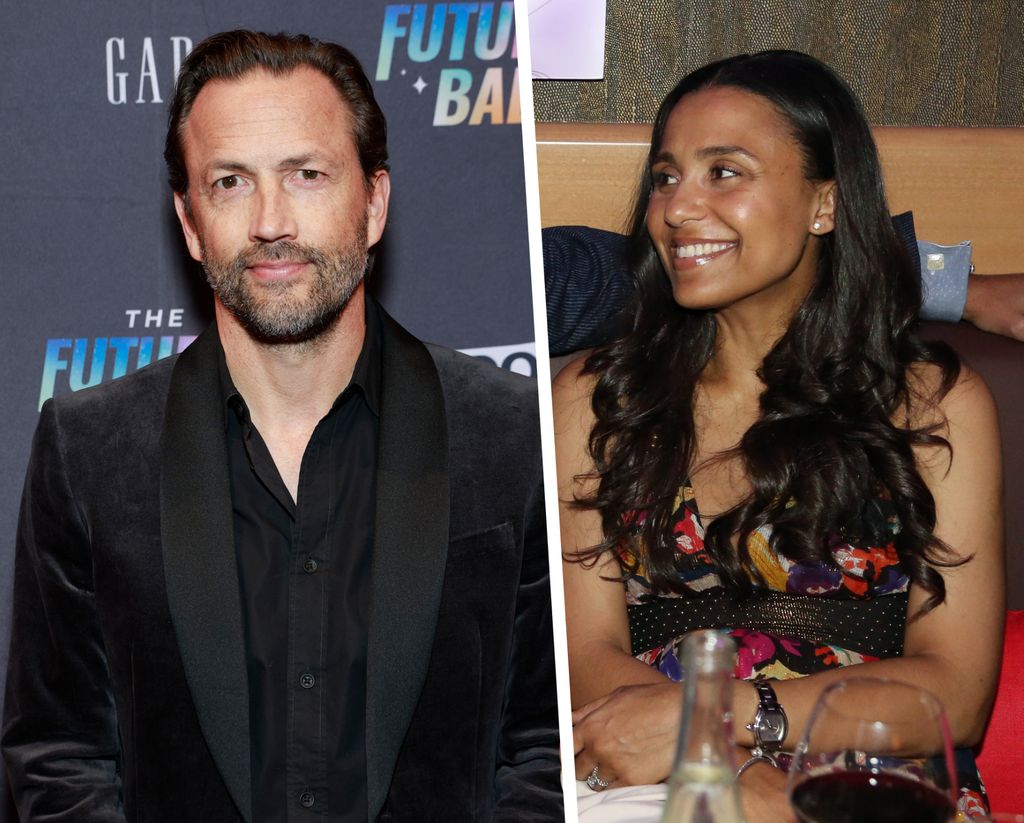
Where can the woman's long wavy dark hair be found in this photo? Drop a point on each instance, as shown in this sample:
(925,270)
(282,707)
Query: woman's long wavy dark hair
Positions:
(834,383)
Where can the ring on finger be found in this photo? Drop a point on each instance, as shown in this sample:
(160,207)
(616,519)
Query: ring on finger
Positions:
(595,782)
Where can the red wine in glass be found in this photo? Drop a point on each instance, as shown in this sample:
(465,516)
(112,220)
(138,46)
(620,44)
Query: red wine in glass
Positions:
(855,797)
(874,751)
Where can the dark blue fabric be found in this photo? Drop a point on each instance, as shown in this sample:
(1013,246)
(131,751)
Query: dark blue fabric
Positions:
(586,279)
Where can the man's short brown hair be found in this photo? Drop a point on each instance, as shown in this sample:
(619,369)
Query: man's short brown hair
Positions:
(233,54)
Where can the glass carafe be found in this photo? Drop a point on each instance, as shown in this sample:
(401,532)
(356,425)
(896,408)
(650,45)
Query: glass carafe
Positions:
(703,786)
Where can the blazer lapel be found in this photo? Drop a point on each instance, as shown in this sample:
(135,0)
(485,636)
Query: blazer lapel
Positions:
(199,561)
(410,548)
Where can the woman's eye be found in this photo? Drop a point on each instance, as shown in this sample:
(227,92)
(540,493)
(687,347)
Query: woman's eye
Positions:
(664,178)
(723,173)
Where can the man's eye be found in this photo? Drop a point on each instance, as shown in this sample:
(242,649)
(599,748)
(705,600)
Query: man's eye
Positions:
(308,174)
(230,182)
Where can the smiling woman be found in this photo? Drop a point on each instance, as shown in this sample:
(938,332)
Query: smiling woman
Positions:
(730,207)
(735,462)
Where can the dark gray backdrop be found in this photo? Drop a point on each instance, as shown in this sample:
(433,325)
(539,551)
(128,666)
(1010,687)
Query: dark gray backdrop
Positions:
(90,245)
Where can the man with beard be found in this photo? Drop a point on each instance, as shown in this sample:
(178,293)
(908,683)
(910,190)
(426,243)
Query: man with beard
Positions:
(300,572)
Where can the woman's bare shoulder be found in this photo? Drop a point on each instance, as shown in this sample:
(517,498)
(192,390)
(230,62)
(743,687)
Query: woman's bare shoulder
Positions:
(964,414)
(931,399)
(574,421)
(571,393)
(572,381)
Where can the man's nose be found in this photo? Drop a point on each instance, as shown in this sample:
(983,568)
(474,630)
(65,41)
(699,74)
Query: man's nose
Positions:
(274,217)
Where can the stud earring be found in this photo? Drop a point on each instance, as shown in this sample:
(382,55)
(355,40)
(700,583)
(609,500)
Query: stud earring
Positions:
(816,226)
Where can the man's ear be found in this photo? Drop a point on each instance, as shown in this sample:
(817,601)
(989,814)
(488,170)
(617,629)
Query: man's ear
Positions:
(824,219)
(188,227)
(377,206)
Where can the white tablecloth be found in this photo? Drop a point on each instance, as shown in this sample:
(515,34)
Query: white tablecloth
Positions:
(630,804)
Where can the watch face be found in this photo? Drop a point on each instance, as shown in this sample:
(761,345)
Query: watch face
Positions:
(772,726)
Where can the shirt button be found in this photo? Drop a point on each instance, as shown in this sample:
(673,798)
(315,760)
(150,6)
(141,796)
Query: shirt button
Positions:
(307,799)
(310,565)
(307,681)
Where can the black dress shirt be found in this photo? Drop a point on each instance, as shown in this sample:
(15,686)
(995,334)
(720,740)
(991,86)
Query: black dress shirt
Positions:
(304,572)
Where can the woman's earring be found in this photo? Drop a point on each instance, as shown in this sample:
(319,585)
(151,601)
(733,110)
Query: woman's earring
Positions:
(816,226)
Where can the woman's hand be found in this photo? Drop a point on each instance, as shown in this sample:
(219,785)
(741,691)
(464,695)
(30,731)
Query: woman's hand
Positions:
(763,792)
(630,734)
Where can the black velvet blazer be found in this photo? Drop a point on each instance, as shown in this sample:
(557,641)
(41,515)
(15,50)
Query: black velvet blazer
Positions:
(127,694)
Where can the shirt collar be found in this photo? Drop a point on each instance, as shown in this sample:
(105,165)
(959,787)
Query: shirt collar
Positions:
(366,375)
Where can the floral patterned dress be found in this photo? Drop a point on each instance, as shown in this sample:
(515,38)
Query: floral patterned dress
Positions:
(862,599)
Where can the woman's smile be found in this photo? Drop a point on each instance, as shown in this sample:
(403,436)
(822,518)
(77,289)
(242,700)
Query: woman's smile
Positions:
(686,255)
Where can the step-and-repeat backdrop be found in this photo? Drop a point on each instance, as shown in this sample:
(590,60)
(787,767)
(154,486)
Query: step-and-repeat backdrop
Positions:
(96,279)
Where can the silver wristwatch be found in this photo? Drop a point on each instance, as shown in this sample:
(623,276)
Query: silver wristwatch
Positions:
(770,722)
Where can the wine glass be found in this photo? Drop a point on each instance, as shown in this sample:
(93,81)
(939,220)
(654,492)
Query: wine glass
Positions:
(874,749)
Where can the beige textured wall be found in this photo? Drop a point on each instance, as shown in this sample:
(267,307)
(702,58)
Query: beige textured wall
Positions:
(911,62)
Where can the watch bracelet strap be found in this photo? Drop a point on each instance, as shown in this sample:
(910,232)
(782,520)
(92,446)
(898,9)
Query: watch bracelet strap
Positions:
(766,694)
(766,701)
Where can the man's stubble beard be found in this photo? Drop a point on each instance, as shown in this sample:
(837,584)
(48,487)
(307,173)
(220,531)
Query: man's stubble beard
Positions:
(269,311)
